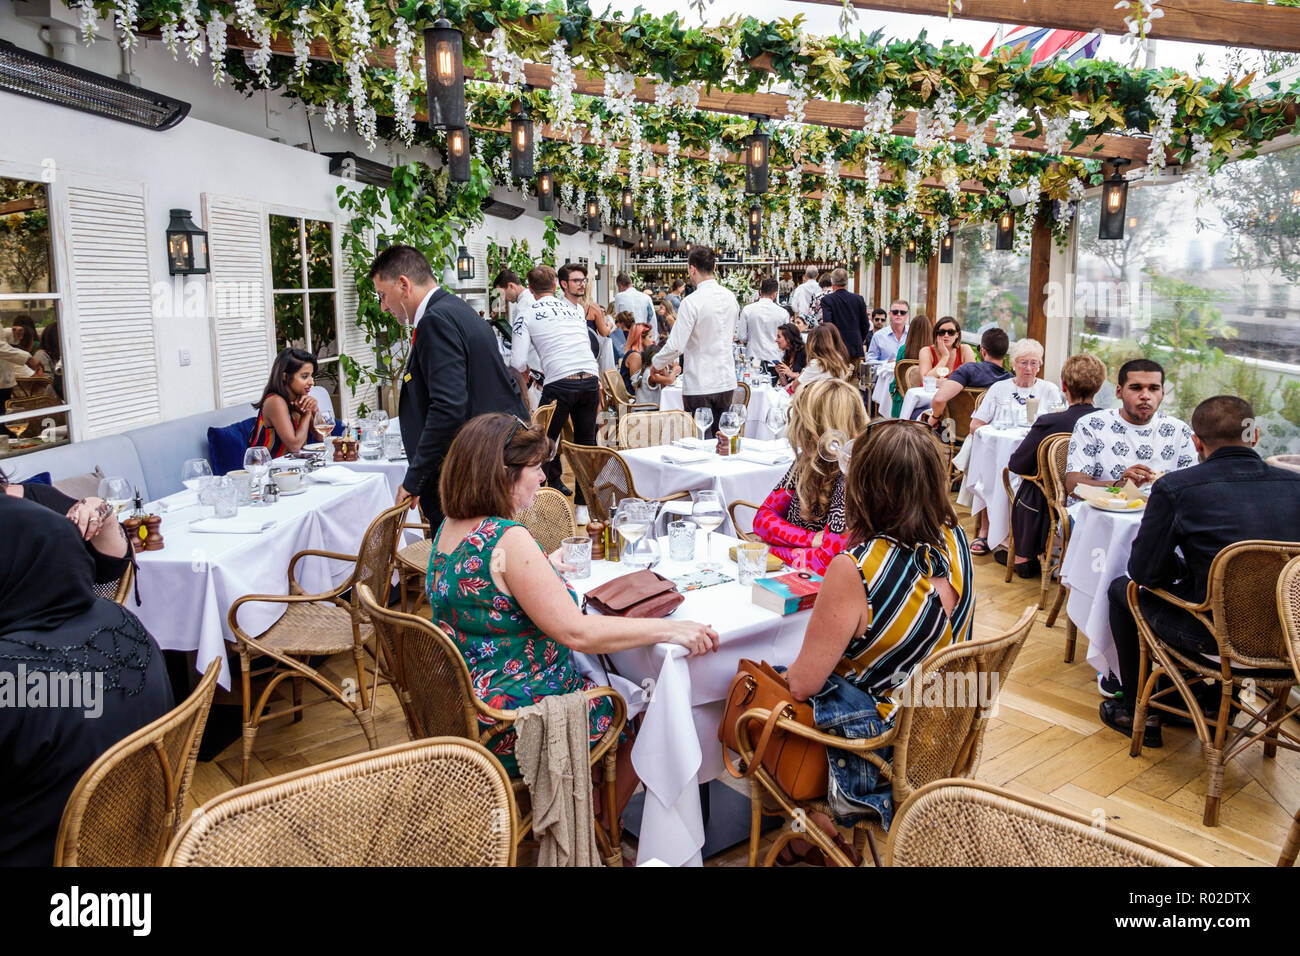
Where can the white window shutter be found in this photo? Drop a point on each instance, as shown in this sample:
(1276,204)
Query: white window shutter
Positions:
(243,340)
(355,345)
(108,255)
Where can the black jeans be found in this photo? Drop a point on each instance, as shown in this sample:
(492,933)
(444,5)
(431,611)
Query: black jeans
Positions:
(576,400)
(718,401)
(1172,624)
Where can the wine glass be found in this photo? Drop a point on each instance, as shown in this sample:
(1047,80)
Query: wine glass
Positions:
(729,425)
(324,422)
(703,420)
(257,462)
(741,413)
(632,522)
(707,512)
(837,447)
(778,419)
(117,492)
(195,473)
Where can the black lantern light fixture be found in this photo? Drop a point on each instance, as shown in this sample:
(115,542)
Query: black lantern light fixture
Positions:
(1114,203)
(672,238)
(755,222)
(593,214)
(887,258)
(464,264)
(910,255)
(187,246)
(458,154)
(545,191)
(618,230)
(445,72)
(625,203)
(1006,230)
(521,143)
(945,247)
(756,168)
(689,246)
(650,222)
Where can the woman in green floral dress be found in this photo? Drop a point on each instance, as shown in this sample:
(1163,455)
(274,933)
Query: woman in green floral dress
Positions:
(515,620)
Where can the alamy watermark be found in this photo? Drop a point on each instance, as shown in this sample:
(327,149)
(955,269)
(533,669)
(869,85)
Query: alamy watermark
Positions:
(74,690)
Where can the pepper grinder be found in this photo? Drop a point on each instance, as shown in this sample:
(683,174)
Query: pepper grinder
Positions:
(132,528)
(596,532)
(153,535)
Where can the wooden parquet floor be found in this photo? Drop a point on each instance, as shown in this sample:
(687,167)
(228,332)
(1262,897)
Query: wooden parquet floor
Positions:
(1046,742)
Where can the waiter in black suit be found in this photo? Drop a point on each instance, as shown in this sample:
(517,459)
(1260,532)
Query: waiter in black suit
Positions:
(453,373)
(847,311)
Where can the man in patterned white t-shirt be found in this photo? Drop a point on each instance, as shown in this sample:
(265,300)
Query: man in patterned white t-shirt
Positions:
(1133,442)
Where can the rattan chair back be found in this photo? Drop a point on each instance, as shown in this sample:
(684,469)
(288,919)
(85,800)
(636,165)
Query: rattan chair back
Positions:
(1055,453)
(960,410)
(602,474)
(31,404)
(647,429)
(377,555)
(429,674)
(615,386)
(117,590)
(741,395)
(968,823)
(549,519)
(437,802)
(126,807)
(907,374)
(1288,609)
(946,708)
(1244,582)
(542,416)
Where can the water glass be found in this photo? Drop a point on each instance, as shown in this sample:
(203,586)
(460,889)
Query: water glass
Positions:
(393,449)
(751,559)
(930,383)
(681,540)
(372,433)
(223,492)
(576,552)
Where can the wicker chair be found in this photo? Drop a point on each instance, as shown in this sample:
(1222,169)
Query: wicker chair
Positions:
(957,416)
(439,802)
(605,478)
(1241,610)
(647,429)
(117,591)
(542,416)
(34,386)
(741,395)
(907,374)
(127,806)
(437,695)
(315,625)
(413,562)
(968,823)
(1041,480)
(622,402)
(1057,466)
(1288,608)
(735,525)
(930,743)
(549,518)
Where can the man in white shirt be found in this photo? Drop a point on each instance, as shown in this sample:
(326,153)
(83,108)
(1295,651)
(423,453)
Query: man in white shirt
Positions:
(517,294)
(704,331)
(801,299)
(759,321)
(1133,442)
(628,299)
(558,331)
(885,343)
(13,361)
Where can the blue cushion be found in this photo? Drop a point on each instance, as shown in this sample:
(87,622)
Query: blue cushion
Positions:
(338,429)
(226,446)
(41,479)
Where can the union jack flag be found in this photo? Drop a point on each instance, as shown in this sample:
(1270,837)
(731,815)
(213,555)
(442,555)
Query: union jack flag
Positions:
(1067,45)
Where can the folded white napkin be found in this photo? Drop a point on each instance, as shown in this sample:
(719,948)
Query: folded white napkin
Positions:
(235,525)
(779,445)
(338,475)
(704,444)
(182,499)
(685,457)
(759,457)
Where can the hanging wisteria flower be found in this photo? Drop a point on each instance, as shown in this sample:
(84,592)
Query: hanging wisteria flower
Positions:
(169,28)
(1138,22)
(191,31)
(1055,130)
(331,115)
(1162,131)
(405,81)
(878,119)
(798,98)
(563,83)
(87,20)
(125,13)
(248,19)
(357,25)
(508,66)
(216,30)
(1197,171)
(977,142)
(301,42)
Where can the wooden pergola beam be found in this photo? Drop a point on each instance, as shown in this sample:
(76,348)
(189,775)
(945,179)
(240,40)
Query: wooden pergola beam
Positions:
(1220,22)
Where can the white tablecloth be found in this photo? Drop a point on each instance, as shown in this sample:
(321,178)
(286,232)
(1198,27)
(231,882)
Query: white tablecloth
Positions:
(982,488)
(734,479)
(677,747)
(393,471)
(880,394)
(1100,542)
(187,588)
(916,400)
(761,400)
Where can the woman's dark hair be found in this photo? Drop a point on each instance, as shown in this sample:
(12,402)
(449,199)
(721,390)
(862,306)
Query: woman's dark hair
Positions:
(793,341)
(286,366)
(484,462)
(920,333)
(897,486)
(24,322)
(50,341)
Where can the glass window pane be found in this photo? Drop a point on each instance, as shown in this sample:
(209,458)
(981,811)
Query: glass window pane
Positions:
(43,429)
(289,328)
(992,288)
(324,329)
(24,237)
(286,253)
(320,254)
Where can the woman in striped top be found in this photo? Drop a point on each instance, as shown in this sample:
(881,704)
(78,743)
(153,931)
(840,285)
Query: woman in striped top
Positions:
(287,412)
(901,591)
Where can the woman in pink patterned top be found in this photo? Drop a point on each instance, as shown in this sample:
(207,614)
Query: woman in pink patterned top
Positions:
(803,518)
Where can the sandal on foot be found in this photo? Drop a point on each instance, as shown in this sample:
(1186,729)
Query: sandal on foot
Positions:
(980,546)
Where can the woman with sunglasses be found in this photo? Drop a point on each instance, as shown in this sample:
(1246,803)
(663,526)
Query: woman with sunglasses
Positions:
(947,353)
(516,622)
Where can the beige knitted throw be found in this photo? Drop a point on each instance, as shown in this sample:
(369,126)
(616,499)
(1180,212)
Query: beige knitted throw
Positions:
(554,757)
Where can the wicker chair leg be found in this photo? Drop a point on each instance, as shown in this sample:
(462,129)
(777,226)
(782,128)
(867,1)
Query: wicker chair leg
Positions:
(1274,714)
(611,797)
(297,698)
(1071,640)
(1292,847)
(1143,701)
(755,819)
(250,735)
(359,656)
(1213,786)
(782,838)
(1056,609)
(250,729)
(871,846)
(367,721)
(1011,556)
(1047,580)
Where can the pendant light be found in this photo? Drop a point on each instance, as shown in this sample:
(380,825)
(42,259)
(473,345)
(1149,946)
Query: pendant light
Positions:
(545,191)
(911,251)
(458,154)
(1006,230)
(593,214)
(464,264)
(521,143)
(445,74)
(1114,203)
(945,247)
(756,159)
(625,203)
(887,258)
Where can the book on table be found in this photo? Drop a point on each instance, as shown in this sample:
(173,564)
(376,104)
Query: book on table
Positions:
(787,593)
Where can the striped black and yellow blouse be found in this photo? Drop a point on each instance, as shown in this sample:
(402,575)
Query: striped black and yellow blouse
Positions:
(906,619)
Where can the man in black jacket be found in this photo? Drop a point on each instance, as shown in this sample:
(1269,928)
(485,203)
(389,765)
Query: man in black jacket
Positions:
(847,311)
(453,373)
(1231,496)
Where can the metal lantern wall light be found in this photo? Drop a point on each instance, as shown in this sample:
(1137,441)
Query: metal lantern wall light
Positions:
(911,251)
(545,191)
(756,168)
(593,214)
(1006,230)
(625,203)
(521,143)
(464,264)
(458,154)
(887,258)
(1114,203)
(443,47)
(945,247)
(187,246)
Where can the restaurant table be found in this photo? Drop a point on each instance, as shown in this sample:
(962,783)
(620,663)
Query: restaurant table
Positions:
(1100,542)
(187,588)
(761,400)
(981,485)
(733,478)
(916,400)
(682,698)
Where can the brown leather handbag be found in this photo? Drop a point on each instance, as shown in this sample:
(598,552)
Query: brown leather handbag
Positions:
(639,594)
(798,764)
